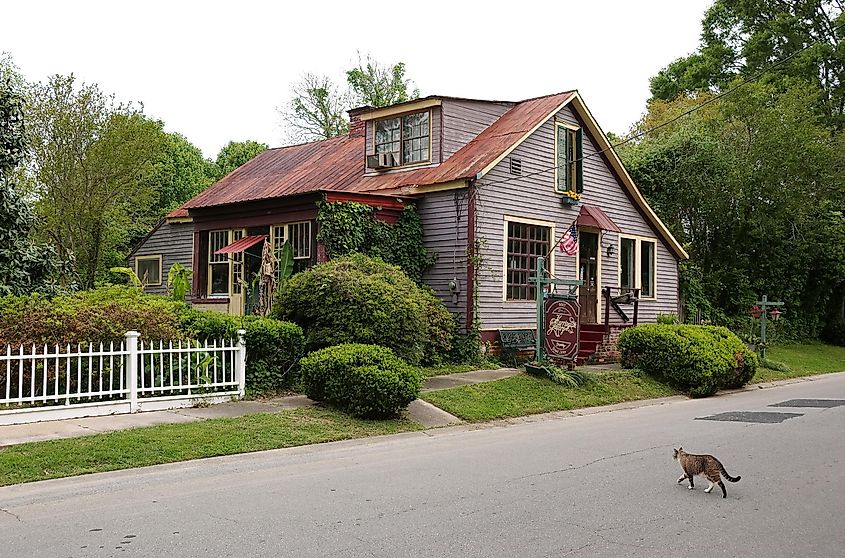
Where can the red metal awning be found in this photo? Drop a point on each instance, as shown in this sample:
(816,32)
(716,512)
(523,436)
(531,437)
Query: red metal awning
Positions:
(592,216)
(241,245)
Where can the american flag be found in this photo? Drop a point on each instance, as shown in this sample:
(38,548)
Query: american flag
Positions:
(569,242)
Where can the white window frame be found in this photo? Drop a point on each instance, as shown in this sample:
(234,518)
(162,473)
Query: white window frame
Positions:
(638,240)
(157,258)
(524,221)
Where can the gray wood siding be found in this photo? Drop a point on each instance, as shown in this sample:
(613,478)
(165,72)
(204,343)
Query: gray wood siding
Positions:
(534,198)
(440,222)
(463,120)
(436,128)
(174,242)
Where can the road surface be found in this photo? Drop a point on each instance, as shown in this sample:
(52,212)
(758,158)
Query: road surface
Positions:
(595,485)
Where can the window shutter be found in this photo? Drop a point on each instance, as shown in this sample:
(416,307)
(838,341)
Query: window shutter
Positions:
(562,170)
(579,154)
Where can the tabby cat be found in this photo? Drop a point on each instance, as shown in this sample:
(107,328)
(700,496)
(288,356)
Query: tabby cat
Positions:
(705,465)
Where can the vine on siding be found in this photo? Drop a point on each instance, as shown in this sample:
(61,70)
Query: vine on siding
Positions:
(349,227)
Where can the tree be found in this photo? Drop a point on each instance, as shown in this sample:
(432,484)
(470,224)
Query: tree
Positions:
(753,186)
(740,38)
(90,154)
(318,107)
(374,85)
(25,266)
(235,154)
(316,111)
(176,173)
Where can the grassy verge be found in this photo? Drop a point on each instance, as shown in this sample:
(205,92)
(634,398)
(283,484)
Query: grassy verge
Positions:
(180,442)
(526,395)
(803,360)
(445,369)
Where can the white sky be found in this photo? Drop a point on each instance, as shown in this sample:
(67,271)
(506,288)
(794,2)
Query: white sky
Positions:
(216,71)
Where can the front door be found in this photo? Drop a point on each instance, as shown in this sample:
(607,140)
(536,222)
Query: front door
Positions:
(588,243)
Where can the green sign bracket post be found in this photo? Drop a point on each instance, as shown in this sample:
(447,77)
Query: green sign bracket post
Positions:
(763,309)
(541,281)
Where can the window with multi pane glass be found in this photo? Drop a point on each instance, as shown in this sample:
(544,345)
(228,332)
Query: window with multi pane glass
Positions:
(218,264)
(388,135)
(407,137)
(525,244)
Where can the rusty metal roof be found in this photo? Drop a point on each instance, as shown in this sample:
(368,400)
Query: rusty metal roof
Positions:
(337,164)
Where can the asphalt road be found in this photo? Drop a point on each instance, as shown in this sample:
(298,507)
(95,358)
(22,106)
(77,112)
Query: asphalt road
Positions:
(596,485)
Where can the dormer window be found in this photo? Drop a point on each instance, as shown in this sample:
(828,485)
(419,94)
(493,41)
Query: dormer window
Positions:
(408,137)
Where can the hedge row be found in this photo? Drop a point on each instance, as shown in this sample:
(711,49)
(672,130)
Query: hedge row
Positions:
(697,359)
(106,314)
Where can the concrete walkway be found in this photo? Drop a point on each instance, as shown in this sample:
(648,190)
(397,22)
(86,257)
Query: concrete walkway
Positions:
(425,413)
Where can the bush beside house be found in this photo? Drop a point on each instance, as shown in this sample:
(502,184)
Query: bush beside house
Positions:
(366,380)
(697,359)
(106,314)
(357,299)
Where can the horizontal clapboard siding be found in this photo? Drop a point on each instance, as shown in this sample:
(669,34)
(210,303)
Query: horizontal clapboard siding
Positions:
(534,198)
(445,236)
(464,119)
(174,242)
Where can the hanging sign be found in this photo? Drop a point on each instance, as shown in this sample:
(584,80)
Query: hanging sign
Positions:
(561,328)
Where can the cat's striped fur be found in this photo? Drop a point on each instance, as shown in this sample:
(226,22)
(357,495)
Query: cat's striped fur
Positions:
(704,465)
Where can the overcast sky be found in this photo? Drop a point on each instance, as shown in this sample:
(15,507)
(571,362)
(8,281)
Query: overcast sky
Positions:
(216,71)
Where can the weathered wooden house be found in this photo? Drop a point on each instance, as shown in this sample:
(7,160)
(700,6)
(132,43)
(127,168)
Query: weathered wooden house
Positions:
(495,183)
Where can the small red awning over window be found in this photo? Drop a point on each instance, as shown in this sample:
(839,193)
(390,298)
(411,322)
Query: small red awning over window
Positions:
(592,216)
(241,245)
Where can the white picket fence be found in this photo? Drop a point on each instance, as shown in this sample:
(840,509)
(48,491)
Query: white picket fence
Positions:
(49,383)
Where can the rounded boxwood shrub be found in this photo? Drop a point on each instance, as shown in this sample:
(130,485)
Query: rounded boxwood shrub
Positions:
(366,380)
(357,299)
(273,347)
(697,359)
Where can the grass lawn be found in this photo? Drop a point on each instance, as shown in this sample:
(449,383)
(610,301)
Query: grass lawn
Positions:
(803,360)
(181,442)
(526,395)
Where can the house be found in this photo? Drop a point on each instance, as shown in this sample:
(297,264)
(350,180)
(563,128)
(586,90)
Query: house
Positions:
(495,184)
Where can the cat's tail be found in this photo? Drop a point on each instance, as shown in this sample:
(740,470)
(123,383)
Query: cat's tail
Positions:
(727,476)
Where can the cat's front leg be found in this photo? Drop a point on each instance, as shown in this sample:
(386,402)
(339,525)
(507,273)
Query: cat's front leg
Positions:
(681,478)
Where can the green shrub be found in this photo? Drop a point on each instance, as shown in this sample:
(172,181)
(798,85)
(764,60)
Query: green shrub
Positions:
(273,347)
(103,314)
(667,319)
(365,380)
(358,299)
(696,359)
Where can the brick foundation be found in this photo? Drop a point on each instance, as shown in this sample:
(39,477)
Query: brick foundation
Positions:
(607,351)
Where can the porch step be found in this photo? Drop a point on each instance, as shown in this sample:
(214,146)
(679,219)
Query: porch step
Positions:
(592,328)
(591,336)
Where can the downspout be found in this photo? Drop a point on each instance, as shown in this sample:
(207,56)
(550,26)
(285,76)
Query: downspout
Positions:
(470,282)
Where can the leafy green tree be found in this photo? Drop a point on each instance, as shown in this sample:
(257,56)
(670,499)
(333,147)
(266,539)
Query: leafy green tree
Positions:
(176,173)
(25,266)
(90,155)
(753,186)
(235,154)
(374,85)
(741,38)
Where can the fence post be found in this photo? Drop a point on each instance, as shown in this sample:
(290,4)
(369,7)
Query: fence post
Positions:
(132,369)
(241,362)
